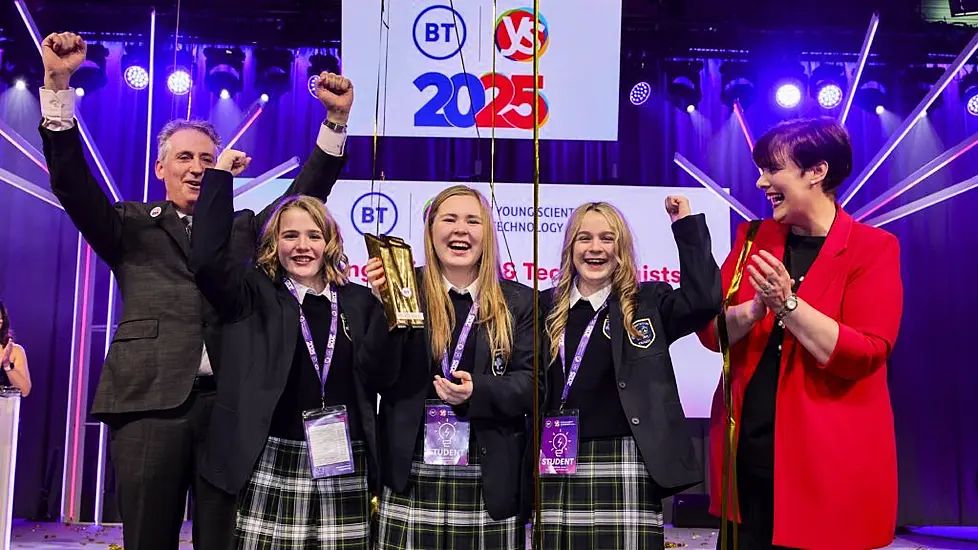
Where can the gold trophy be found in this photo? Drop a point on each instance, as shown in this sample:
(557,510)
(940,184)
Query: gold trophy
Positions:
(402,304)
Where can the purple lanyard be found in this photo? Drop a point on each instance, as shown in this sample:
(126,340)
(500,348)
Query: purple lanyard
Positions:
(578,355)
(460,346)
(321,370)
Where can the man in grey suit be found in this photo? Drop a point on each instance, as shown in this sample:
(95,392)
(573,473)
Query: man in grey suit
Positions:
(158,382)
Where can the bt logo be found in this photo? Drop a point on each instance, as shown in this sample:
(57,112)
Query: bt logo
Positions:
(514,34)
(374,213)
(439,32)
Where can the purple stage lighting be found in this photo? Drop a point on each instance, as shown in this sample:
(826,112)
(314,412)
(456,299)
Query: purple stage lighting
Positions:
(136,77)
(21,84)
(880,109)
(179,82)
(788,95)
(830,96)
(640,93)
(225,94)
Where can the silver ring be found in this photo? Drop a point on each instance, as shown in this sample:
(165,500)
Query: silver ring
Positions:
(765,289)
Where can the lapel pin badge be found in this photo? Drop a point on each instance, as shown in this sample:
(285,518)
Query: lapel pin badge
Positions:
(155,212)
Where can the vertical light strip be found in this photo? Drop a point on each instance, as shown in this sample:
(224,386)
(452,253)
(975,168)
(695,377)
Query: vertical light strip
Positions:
(918,176)
(705,181)
(149,101)
(100,465)
(80,337)
(909,122)
(874,24)
(926,202)
(83,129)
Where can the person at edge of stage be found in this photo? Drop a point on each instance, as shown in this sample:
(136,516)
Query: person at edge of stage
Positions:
(159,380)
(811,326)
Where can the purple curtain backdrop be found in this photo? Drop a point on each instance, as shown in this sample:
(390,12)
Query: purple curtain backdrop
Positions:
(932,379)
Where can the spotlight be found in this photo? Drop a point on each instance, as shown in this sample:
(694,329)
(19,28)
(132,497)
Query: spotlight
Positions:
(264,98)
(179,82)
(273,71)
(19,66)
(640,93)
(691,109)
(788,95)
(178,79)
(224,67)
(91,74)
(828,85)
(134,64)
(872,92)
(790,85)
(969,92)
(683,85)
(737,81)
(136,77)
(915,83)
(225,94)
(319,63)
(80,92)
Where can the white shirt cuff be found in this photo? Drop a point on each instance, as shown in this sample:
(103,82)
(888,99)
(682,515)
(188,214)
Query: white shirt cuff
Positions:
(58,109)
(332,143)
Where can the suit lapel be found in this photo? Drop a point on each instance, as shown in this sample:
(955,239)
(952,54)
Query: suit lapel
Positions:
(352,314)
(170,221)
(617,333)
(827,264)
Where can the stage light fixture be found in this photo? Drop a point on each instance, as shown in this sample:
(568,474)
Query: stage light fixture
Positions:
(737,84)
(683,84)
(969,92)
(90,76)
(828,85)
(178,79)
(20,67)
(273,68)
(640,93)
(872,92)
(914,83)
(317,64)
(135,63)
(788,94)
(224,67)
(789,87)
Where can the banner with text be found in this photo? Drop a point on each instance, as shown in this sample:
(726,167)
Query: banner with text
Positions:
(433,64)
(397,208)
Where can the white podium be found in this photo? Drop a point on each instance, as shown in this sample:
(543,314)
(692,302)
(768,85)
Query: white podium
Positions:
(9,423)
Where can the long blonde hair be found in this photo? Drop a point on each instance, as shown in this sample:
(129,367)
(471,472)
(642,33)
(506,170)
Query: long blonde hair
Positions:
(493,311)
(624,280)
(336,265)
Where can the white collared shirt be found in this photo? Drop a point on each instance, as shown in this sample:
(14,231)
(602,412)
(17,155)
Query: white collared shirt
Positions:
(302,290)
(58,112)
(596,300)
(471,290)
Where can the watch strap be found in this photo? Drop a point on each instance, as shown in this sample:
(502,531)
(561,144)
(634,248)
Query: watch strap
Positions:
(341,128)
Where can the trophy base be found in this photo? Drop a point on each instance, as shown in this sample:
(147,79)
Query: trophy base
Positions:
(409,320)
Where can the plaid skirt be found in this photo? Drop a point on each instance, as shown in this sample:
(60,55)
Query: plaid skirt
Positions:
(443,509)
(283,507)
(609,504)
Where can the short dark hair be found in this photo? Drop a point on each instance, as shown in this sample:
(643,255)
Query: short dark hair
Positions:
(5,330)
(807,142)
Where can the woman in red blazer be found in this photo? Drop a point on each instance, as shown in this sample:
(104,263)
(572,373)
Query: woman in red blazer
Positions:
(810,328)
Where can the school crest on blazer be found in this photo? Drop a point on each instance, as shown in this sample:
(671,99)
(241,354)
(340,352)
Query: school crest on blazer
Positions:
(644,327)
(498,364)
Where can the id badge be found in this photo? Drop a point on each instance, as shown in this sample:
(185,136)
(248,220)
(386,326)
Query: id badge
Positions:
(446,437)
(328,440)
(558,449)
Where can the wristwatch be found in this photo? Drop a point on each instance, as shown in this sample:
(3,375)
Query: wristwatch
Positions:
(790,303)
(341,128)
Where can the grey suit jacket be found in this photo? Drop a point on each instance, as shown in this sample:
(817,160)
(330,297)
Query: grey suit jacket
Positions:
(156,351)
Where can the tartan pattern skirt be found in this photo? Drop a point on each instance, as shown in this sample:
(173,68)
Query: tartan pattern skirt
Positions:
(443,509)
(282,507)
(609,504)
